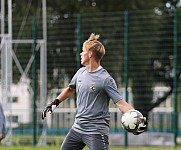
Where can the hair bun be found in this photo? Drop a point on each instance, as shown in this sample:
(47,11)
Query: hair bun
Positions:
(93,37)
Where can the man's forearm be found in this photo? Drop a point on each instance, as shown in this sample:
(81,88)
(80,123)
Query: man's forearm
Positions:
(123,106)
(67,92)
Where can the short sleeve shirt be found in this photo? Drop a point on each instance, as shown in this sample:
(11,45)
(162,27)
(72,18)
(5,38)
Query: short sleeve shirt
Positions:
(94,91)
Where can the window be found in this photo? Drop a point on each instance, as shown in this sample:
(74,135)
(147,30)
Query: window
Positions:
(14,99)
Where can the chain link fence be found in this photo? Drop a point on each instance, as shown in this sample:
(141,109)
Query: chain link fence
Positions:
(142,52)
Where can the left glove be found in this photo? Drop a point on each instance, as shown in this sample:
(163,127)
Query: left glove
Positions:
(142,126)
(50,108)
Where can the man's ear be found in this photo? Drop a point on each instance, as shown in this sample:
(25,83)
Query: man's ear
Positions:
(90,54)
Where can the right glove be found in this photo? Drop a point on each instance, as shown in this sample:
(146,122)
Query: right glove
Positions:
(50,108)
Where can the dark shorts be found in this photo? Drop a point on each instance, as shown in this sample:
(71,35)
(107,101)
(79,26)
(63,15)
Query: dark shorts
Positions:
(77,141)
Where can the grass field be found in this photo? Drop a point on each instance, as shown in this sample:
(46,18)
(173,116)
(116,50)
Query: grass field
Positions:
(24,142)
(111,148)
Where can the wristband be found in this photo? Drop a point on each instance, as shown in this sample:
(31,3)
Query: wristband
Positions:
(56,102)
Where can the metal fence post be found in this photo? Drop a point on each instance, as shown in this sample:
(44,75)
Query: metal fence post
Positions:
(126,64)
(175,40)
(34,79)
(78,40)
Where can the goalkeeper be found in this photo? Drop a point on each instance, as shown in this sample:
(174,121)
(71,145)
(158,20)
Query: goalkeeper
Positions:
(94,88)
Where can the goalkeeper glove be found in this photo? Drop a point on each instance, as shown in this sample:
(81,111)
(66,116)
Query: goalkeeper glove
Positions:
(50,108)
(142,126)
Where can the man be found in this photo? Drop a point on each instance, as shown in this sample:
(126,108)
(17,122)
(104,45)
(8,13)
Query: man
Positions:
(94,88)
(2,123)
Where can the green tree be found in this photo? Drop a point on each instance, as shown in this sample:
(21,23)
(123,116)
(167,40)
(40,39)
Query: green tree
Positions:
(95,15)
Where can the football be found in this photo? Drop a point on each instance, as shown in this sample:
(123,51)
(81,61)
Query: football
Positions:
(131,120)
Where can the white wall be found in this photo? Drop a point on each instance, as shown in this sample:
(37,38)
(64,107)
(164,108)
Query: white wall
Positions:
(20,108)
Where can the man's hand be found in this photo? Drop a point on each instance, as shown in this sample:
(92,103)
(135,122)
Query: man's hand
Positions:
(142,126)
(1,136)
(50,108)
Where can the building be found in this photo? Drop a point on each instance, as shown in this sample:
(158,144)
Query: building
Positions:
(18,109)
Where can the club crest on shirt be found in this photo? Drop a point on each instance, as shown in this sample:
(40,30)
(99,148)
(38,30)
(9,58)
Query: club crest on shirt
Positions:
(79,83)
(92,87)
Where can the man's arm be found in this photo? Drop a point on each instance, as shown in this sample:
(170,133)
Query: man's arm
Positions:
(123,105)
(61,97)
(67,92)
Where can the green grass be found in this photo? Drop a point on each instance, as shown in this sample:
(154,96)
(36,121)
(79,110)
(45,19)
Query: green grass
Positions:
(112,148)
(24,142)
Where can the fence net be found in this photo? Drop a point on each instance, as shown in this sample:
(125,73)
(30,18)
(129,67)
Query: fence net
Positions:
(148,41)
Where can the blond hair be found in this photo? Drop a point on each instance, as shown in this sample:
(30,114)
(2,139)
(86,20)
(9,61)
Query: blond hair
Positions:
(92,44)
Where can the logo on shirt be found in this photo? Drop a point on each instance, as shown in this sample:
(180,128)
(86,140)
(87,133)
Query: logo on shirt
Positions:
(92,87)
(79,83)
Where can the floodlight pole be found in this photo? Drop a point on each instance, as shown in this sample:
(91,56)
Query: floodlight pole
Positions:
(43,72)
(2,16)
(8,73)
(44,55)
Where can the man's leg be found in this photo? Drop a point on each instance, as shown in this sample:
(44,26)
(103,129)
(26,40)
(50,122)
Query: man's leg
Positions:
(96,141)
(73,141)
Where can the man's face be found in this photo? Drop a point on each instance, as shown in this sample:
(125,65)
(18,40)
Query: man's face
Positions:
(84,55)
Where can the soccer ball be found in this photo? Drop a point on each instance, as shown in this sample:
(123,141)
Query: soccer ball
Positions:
(131,119)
